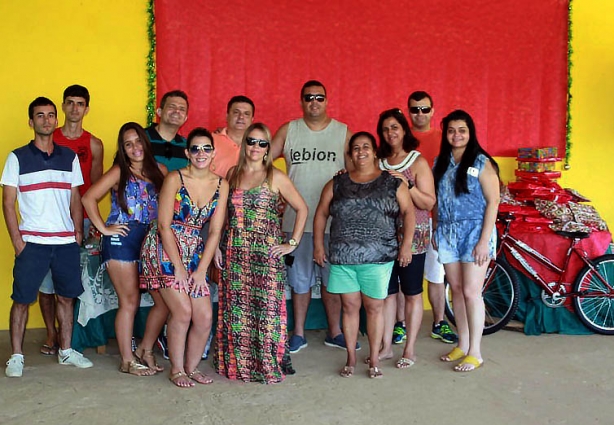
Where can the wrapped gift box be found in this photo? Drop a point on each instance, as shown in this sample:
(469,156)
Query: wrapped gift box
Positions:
(538,153)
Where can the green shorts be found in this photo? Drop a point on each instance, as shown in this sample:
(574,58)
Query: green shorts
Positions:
(370,279)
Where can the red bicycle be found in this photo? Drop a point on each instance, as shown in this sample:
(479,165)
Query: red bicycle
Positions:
(592,292)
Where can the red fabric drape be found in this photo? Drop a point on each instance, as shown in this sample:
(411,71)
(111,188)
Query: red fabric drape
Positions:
(504,62)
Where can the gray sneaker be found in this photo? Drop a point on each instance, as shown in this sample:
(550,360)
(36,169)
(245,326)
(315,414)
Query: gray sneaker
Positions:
(74,358)
(14,367)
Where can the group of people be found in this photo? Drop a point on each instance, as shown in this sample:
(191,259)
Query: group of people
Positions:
(365,219)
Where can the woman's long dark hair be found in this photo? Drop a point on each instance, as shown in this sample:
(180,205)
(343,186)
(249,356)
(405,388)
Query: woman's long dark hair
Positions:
(150,171)
(409,141)
(472,150)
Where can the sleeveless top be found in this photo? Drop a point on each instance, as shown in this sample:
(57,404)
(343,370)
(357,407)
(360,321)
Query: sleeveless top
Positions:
(82,147)
(363,228)
(141,200)
(466,206)
(422,233)
(312,159)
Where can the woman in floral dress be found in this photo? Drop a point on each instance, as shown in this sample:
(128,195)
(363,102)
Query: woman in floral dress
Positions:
(134,181)
(175,258)
(251,330)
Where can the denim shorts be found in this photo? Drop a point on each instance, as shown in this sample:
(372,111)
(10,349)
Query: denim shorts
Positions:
(456,241)
(47,285)
(369,279)
(124,248)
(36,260)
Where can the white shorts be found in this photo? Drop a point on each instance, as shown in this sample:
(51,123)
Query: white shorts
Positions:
(47,285)
(433,269)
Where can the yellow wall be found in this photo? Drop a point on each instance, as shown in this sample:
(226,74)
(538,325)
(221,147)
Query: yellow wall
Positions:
(48,46)
(103,45)
(593,105)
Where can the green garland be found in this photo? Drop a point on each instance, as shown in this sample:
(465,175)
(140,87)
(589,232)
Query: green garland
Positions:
(151,63)
(566,165)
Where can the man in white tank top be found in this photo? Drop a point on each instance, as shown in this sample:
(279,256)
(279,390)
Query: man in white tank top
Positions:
(315,149)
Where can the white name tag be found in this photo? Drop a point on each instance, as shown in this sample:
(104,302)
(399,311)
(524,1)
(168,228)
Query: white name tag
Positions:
(472,171)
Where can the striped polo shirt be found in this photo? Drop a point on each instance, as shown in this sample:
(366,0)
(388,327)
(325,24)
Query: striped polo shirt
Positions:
(44,184)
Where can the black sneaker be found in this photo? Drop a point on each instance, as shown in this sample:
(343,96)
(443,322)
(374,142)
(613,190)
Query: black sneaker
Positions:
(443,332)
(399,333)
(162,343)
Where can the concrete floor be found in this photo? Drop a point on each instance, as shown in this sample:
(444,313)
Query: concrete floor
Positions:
(549,379)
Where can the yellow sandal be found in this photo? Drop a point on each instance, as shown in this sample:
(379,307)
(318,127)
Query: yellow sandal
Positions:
(454,355)
(471,361)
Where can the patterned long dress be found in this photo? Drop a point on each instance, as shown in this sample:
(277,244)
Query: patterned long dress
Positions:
(251,329)
(188,219)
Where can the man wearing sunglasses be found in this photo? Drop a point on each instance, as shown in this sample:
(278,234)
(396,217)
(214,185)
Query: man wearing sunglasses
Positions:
(167,144)
(314,148)
(239,115)
(420,108)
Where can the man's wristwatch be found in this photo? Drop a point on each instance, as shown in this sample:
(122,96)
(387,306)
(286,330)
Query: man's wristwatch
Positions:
(292,242)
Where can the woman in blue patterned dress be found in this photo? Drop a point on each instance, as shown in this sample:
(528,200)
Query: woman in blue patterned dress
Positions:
(134,180)
(175,258)
(467,184)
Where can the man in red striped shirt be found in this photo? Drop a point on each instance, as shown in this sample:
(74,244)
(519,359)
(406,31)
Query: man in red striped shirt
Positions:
(43,179)
(89,149)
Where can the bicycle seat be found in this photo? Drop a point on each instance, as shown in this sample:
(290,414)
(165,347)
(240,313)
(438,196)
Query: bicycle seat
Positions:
(506,216)
(573,235)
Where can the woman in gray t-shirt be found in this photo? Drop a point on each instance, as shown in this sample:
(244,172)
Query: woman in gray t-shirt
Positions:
(364,204)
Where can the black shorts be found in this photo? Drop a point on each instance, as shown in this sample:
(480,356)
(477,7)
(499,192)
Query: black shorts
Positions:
(409,278)
(33,263)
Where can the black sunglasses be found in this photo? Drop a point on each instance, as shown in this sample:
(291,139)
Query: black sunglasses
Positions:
(416,109)
(194,149)
(310,97)
(261,142)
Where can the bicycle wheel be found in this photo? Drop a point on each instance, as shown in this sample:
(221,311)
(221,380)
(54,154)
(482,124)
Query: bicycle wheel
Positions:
(595,305)
(500,293)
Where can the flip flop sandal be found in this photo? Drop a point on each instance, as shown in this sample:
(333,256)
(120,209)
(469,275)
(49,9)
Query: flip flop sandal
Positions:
(375,373)
(175,379)
(47,350)
(468,361)
(205,380)
(347,372)
(404,363)
(136,369)
(148,359)
(454,355)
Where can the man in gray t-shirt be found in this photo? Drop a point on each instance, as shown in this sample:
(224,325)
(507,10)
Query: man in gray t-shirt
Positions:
(315,148)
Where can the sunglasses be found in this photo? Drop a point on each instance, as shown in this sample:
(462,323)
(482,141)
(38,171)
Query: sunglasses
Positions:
(311,97)
(261,142)
(194,149)
(416,109)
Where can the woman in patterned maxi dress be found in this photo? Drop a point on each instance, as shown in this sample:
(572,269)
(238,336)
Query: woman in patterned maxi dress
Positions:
(251,330)
(175,258)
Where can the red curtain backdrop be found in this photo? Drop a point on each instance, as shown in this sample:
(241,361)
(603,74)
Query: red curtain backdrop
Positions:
(504,61)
